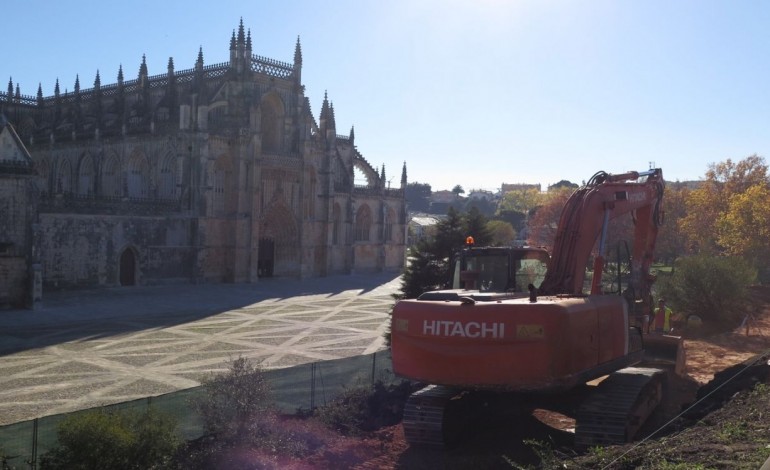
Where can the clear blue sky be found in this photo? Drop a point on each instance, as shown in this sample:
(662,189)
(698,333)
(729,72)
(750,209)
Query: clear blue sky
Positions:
(474,93)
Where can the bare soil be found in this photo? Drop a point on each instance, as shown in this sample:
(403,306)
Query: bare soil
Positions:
(718,416)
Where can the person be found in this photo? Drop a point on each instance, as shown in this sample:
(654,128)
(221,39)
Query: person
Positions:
(662,317)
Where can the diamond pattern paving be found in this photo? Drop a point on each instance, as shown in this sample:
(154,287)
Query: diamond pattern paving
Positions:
(71,358)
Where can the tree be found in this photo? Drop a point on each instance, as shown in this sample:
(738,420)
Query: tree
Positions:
(744,228)
(418,197)
(543,221)
(521,200)
(475,225)
(450,235)
(502,232)
(234,405)
(457,190)
(563,184)
(424,271)
(672,241)
(710,201)
(121,440)
(715,288)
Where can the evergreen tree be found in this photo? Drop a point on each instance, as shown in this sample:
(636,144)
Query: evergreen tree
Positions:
(475,224)
(424,271)
(450,235)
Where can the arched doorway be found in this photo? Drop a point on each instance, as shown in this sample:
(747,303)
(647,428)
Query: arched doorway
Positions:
(128,268)
(266,261)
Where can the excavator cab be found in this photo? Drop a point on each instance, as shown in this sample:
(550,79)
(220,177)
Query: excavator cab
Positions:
(499,269)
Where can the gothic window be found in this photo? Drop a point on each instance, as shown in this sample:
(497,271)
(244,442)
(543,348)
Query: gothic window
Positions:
(222,189)
(336,224)
(341,179)
(363,223)
(138,176)
(390,218)
(111,184)
(86,176)
(167,180)
(271,124)
(64,177)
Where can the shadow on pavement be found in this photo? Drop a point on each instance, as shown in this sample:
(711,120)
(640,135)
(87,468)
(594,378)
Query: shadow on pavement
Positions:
(97,313)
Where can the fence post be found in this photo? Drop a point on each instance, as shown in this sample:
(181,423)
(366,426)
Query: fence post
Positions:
(312,386)
(33,458)
(374,366)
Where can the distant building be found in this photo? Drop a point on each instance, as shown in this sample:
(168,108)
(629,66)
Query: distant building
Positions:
(519,187)
(443,197)
(422,227)
(215,173)
(481,194)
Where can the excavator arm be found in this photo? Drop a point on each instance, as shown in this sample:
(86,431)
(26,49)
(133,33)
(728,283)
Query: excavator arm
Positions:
(586,217)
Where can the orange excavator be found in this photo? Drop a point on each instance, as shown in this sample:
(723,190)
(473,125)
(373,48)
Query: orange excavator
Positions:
(545,335)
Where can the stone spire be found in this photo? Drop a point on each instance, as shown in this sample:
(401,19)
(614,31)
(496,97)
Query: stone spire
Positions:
(403,176)
(120,74)
(382,173)
(324,111)
(10,88)
(199,61)
(40,94)
(97,81)
(298,63)
(352,136)
(143,71)
(77,84)
(56,91)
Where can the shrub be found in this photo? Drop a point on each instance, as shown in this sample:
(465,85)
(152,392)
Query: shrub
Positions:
(363,409)
(116,440)
(714,288)
(234,404)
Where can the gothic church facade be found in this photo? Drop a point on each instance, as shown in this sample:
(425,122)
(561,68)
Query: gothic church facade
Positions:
(217,173)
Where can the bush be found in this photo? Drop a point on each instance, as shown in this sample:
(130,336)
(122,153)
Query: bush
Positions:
(233,404)
(714,288)
(363,409)
(236,412)
(115,440)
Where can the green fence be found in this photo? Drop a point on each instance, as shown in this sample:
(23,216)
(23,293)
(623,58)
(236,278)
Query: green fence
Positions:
(303,387)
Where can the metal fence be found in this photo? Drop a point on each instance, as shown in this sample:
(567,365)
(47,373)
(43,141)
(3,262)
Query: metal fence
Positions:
(303,387)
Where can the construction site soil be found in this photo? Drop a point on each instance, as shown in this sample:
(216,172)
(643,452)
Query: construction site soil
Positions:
(718,416)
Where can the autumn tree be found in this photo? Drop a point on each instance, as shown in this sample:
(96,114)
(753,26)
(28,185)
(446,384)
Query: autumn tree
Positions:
(744,228)
(709,203)
(544,220)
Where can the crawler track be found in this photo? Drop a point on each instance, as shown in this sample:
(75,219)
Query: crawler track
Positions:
(614,412)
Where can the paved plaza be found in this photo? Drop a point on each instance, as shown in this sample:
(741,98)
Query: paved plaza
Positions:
(82,349)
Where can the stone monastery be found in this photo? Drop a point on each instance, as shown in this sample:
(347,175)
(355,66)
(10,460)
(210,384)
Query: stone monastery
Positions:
(217,173)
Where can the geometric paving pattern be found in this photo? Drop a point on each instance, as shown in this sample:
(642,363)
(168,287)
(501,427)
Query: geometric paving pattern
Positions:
(87,364)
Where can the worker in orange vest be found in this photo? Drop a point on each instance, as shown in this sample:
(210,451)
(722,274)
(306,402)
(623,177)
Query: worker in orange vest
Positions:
(662,319)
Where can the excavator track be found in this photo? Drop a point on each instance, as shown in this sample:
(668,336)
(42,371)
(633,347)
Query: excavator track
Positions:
(614,412)
(423,422)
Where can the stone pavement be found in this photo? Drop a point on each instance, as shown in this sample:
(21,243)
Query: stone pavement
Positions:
(82,349)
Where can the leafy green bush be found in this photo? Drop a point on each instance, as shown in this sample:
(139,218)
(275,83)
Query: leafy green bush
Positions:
(714,288)
(115,440)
